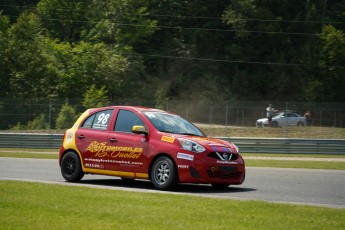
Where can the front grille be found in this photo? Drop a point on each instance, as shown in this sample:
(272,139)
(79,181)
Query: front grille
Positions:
(223,156)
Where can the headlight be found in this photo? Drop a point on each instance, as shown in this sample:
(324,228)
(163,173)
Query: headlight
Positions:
(237,149)
(191,145)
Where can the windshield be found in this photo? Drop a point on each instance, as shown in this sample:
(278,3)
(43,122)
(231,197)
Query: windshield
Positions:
(278,115)
(170,123)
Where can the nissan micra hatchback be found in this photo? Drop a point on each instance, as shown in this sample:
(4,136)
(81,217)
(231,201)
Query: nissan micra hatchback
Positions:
(144,143)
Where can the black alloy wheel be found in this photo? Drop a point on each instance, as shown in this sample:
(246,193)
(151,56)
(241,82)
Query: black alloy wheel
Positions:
(71,167)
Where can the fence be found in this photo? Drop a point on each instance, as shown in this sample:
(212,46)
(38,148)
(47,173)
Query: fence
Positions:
(228,113)
(245,113)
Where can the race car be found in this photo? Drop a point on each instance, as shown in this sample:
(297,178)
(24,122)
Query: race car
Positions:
(145,143)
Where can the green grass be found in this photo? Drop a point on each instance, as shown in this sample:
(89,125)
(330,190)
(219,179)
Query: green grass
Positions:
(312,132)
(296,164)
(29,155)
(308,164)
(25,205)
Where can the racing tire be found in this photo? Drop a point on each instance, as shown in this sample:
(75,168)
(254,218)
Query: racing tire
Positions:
(163,173)
(220,186)
(71,167)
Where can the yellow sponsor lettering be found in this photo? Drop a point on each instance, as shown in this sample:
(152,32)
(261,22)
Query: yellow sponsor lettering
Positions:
(101,149)
(131,155)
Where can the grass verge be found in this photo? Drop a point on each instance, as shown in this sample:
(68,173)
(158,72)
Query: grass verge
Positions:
(312,132)
(312,161)
(26,205)
(28,155)
(296,164)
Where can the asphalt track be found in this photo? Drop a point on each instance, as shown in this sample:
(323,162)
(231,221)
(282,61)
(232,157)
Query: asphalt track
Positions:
(297,186)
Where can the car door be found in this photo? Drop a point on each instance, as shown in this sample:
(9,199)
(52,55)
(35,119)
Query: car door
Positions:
(91,139)
(128,150)
(294,119)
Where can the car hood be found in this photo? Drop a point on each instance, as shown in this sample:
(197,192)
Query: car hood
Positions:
(262,119)
(212,143)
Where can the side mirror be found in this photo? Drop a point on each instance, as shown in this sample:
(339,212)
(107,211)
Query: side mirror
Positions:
(139,129)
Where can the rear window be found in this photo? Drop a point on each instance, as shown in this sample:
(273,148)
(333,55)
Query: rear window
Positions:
(99,120)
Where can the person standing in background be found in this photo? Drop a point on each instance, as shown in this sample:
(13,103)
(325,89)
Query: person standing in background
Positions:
(307,116)
(269,114)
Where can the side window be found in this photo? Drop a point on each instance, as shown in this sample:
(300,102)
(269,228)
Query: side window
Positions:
(126,120)
(88,122)
(98,120)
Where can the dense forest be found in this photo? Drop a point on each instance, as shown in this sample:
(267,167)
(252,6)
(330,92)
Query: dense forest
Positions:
(166,49)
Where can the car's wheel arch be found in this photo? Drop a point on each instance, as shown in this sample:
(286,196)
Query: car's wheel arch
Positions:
(71,166)
(275,123)
(160,155)
(67,151)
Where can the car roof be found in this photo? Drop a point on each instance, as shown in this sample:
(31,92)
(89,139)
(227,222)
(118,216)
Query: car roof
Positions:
(136,108)
(288,112)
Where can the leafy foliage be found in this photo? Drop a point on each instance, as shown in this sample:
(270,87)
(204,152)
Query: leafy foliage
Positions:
(163,50)
(94,98)
(66,117)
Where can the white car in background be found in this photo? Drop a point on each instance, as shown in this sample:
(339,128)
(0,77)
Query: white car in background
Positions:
(283,119)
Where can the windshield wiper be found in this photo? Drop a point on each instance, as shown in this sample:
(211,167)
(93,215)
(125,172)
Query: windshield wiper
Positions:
(164,131)
(189,134)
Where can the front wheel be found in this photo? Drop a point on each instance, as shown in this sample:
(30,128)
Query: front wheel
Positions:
(163,173)
(274,124)
(71,167)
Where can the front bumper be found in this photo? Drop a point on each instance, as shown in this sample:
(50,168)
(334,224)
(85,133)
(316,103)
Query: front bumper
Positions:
(211,171)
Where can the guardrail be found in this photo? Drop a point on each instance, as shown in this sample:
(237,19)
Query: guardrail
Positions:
(287,145)
(30,140)
(246,145)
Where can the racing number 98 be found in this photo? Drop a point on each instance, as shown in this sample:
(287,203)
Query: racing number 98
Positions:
(103,118)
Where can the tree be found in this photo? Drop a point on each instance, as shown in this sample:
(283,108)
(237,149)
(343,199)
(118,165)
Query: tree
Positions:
(4,56)
(29,75)
(94,97)
(332,59)
(39,123)
(66,117)
(65,19)
(187,47)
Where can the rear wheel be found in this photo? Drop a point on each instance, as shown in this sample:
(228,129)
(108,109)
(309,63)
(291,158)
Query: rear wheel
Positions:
(163,173)
(71,167)
(300,123)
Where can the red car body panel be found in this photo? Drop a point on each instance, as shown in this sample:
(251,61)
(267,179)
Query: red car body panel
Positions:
(108,152)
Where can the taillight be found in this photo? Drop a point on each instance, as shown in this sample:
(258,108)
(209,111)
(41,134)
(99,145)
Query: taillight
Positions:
(63,137)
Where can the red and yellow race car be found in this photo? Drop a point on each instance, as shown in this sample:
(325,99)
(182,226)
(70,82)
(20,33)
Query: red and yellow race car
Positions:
(145,143)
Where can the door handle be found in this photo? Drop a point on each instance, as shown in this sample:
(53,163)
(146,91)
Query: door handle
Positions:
(113,140)
(81,136)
